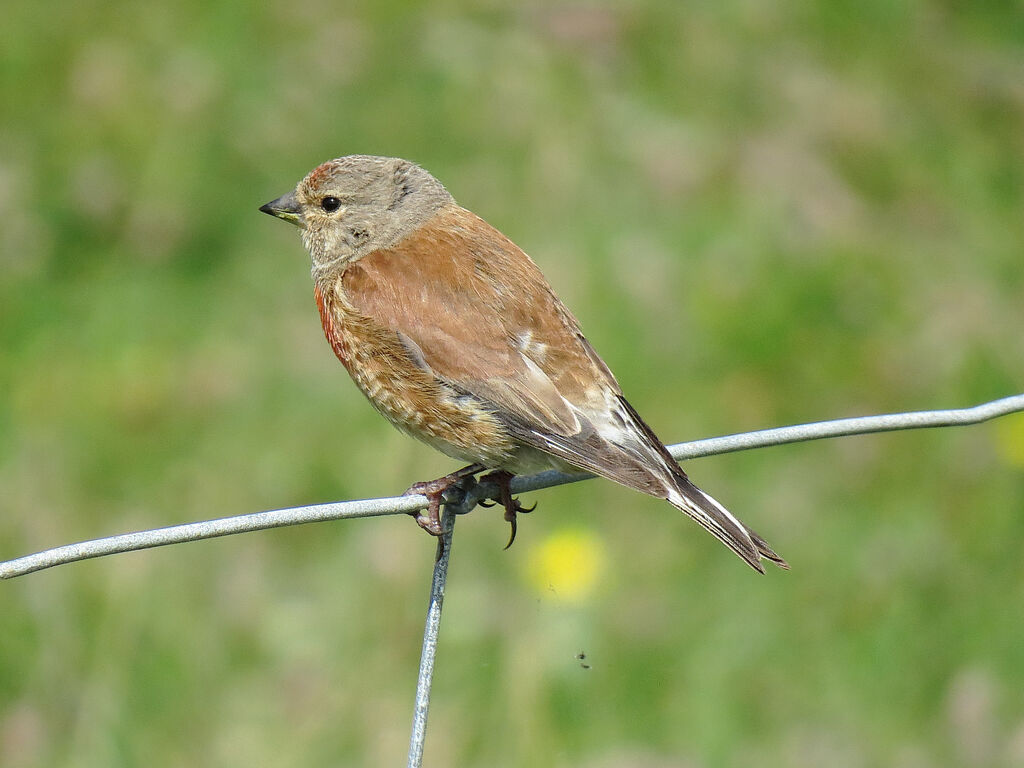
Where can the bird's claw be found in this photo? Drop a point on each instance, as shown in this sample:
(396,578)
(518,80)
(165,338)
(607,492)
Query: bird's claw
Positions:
(429,519)
(510,517)
(511,505)
(512,536)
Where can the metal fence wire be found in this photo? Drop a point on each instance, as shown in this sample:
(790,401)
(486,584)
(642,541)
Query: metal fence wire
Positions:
(460,502)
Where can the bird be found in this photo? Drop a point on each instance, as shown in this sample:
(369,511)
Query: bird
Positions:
(454,335)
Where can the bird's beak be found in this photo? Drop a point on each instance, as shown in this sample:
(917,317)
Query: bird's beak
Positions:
(285,207)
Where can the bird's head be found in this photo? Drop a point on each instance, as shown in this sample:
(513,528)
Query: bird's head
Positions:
(352,206)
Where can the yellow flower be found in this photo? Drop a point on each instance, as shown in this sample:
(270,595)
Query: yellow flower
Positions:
(566,565)
(1010,439)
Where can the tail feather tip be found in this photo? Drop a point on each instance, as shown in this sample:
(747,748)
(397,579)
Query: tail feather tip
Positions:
(718,520)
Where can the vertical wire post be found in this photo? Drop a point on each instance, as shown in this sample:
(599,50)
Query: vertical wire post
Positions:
(430,632)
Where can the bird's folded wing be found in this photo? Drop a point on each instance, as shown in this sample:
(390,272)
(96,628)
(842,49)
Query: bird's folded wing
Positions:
(471,307)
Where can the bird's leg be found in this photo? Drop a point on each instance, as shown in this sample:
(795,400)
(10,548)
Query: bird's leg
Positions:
(429,519)
(501,478)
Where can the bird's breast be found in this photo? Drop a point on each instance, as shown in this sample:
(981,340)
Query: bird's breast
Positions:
(333,333)
(406,394)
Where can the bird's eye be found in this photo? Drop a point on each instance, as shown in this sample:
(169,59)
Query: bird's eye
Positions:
(330,204)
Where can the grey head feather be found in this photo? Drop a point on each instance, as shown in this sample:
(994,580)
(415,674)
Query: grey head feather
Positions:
(383,199)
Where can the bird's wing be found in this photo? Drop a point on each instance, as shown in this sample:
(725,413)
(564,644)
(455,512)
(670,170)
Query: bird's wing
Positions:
(472,308)
(469,306)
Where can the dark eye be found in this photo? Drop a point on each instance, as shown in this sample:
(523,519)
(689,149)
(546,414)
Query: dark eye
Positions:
(330,204)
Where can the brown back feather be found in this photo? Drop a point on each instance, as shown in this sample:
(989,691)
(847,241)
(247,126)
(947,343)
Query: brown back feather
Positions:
(466,296)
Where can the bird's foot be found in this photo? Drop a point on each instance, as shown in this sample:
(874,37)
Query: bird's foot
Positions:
(429,519)
(512,506)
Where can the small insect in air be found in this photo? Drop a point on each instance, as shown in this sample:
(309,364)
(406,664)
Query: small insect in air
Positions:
(582,657)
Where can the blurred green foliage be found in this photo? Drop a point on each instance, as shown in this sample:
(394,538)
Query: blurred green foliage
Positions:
(762,213)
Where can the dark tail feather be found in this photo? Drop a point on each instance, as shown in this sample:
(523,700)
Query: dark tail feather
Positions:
(722,524)
(700,506)
(766,551)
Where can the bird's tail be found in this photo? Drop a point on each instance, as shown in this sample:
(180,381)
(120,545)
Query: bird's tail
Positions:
(721,523)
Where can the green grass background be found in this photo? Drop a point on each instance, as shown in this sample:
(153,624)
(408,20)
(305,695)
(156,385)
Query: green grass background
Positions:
(761,213)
